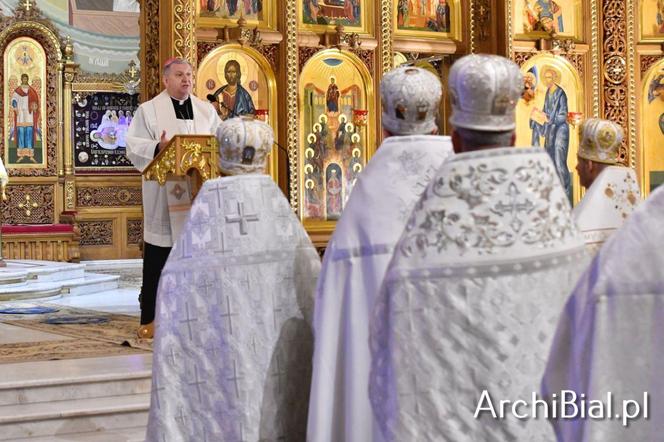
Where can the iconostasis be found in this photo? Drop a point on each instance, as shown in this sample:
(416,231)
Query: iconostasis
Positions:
(312,68)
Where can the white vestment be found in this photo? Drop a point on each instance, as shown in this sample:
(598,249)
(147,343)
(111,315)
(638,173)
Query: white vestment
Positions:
(151,118)
(233,340)
(24,115)
(471,297)
(611,198)
(353,269)
(611,331)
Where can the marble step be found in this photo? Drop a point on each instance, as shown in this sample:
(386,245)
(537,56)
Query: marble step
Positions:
(136,434)
(126,385)
(73,416)
(48,381)
(52,272)
(13,278)
(32,290)
(90,283)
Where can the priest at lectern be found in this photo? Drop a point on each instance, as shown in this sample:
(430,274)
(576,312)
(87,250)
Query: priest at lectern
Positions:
(233,337)
(173,112)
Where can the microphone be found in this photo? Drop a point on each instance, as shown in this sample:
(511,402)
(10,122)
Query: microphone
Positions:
(211,98)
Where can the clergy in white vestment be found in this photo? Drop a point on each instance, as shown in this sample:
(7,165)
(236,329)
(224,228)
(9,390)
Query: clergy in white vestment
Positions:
(360,249)
(607,349)
(233,338)
(468,307)
(173,112)
(612,191)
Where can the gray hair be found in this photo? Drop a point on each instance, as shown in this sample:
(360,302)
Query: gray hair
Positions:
(482,138)
(173,61)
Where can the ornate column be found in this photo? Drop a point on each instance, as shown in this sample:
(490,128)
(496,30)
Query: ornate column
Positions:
(183,30)
(149,49)
(386,36)
(618,81)
(292,57)
(70,70)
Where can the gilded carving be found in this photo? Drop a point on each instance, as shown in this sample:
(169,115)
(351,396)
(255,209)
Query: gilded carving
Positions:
(96,233)
(108,196)
(166,165)
(386,35)
(193,158)
(480,23)
(70,195)
(35,204)
(647,61)
(521,57)
(134,231)
(615,69)
(184,37)
(305,53)
(366,56)
(614,46)
(150,75)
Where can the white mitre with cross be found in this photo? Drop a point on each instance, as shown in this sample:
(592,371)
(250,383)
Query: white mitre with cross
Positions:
(614,194)
(233,344)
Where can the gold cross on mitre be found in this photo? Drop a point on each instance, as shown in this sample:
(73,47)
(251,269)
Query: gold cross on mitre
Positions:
(28,4)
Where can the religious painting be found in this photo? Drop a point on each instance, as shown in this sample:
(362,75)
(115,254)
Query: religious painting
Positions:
(427,18)
(651,162)
(535,19)
(651,21)
(336,114)
(25,104)
(239,81)
(321,15)
(216,13)
(100,121)
(549,115)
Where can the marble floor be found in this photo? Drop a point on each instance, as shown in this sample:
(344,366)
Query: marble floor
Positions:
(95,399)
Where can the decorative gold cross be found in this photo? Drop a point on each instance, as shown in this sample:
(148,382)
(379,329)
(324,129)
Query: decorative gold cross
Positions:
(28,5)
(28,205)
(132,69)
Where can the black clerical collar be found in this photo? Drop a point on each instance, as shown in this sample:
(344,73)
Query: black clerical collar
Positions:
(183,108)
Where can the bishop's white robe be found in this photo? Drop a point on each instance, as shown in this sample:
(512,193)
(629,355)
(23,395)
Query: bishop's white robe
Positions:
(470,300)
(611,198)
(151,118)
(353,269)
(610,334)
(233,340)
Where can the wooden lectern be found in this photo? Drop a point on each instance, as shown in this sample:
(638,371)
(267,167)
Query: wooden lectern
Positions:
(182,167)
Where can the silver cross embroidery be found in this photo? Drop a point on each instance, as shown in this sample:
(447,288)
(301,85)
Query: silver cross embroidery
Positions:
(188,321)
(156,390)
(229,315)
(218,187)
(242,218)
(181,418)
(416,393)
(197,383)
(235,378)
(279,373)
(513,207)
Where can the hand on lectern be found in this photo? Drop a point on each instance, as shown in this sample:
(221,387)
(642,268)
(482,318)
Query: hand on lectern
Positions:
(163,141)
